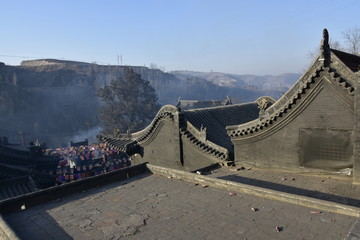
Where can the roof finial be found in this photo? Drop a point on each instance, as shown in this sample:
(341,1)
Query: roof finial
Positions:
(325,48)
(325,41)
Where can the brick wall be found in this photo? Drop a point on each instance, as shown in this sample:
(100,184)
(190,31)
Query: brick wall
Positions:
(195,158)
(167,148)
(164,147)
(356,175)
(328,110)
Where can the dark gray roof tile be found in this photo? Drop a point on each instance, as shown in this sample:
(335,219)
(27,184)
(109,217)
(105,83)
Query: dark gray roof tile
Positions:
(15,187)
(350,60)
(194,104)
(216,119)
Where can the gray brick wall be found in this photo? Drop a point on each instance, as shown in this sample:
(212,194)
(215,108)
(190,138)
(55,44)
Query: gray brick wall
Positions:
(328,110)
(164,149)
(356,174)
(195,158)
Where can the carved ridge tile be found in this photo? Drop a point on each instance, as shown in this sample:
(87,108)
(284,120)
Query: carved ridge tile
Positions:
(219,152)
(281,107)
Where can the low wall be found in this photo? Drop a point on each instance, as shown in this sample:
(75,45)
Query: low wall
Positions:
(56,192)
(257,191)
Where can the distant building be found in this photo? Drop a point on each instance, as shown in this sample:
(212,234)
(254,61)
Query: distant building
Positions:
(24,170)
(316,124)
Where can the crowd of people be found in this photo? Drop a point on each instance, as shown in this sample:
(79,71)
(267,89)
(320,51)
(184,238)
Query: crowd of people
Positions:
(85,161)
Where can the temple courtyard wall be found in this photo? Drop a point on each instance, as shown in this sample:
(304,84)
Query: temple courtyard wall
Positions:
(319,120)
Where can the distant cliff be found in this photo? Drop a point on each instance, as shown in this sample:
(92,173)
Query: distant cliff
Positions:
(55,100)
(267,83)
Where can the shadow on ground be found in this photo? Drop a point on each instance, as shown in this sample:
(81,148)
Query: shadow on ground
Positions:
(293,190)
(37,223)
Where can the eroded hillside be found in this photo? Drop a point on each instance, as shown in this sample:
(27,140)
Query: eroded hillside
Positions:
(55,101)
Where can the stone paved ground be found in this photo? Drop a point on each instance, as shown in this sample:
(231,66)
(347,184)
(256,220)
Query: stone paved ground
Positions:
(153,207)
(322,185)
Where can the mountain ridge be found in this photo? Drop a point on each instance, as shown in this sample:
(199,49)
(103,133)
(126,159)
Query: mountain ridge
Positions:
(264,82)
(54,100)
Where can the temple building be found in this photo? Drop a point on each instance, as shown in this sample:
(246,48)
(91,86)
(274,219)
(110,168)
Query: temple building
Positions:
(314,125)
(189,140)
(24,169)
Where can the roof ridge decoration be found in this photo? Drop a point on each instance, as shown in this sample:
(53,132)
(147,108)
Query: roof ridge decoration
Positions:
(120,144)
(216,107)
(349,71)
(271,116)
(146,134)
(264,103)
(166,112)
(15,154)
(198,139)
(188,104)
(325,48)
(228,99)
(281,107)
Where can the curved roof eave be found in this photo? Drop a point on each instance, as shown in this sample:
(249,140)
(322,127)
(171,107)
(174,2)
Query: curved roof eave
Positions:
(280,107)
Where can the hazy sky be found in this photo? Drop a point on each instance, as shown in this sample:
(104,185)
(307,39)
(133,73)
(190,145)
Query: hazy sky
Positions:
(232,36)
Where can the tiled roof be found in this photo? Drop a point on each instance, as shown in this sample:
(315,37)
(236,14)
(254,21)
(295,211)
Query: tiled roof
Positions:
(278,111)
(192,104)
(350,60)
(120,144)
(14,154)
(20,171)
(7,172)
(216,119)
(38,179)
(47,162)
(220,153)
(42,180)
(78,144)
(16,186)
(130,143)
(21,158)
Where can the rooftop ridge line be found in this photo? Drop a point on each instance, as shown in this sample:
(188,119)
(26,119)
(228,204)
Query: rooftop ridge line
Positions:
(217,107)
(204,145)
(285,103)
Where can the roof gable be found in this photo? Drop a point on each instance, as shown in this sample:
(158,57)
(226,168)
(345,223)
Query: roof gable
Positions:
(350,60)
(327,65)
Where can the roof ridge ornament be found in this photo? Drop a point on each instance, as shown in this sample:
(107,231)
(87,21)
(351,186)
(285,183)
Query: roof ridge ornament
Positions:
(325,48)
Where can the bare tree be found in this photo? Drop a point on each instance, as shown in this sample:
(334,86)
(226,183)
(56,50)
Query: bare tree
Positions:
(352,39)
(335,44)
